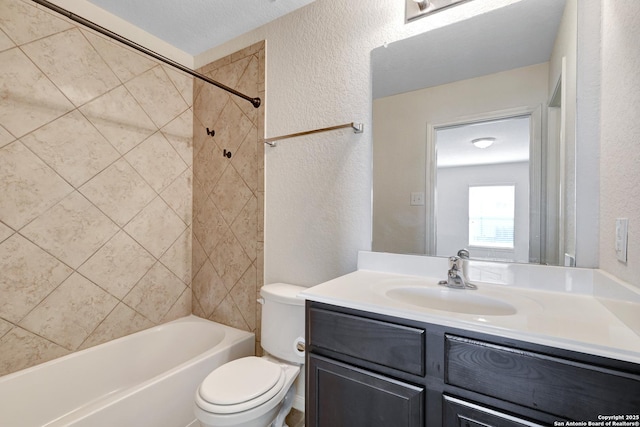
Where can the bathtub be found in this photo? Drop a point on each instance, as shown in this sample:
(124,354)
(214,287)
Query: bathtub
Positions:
(147,379)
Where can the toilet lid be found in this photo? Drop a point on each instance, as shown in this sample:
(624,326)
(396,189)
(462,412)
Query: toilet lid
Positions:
(241,384)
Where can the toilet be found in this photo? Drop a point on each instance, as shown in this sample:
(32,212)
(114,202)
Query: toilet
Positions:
(259,391)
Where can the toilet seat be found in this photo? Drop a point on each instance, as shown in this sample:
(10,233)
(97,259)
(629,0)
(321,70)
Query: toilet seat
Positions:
(240,385)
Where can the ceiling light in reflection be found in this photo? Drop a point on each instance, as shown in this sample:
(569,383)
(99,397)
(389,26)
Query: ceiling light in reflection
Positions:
(483,142)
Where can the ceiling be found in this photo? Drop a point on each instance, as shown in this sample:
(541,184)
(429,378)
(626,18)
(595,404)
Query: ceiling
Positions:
(512,136)
(195,26)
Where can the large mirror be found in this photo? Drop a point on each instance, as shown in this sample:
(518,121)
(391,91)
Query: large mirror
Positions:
(509,77)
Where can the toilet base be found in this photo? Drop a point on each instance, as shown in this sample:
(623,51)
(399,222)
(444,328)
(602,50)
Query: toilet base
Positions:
(287,404)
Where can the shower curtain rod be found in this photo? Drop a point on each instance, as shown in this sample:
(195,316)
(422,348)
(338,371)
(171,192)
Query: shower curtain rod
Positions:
(357,128)
(255,101)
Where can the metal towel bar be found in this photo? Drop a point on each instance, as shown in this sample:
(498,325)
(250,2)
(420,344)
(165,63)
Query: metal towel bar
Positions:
(357,128)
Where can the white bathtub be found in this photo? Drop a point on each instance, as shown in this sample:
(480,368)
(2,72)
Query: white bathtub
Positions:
(147,379)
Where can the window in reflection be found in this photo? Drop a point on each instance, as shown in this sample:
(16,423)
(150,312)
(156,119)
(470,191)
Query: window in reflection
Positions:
(492,216)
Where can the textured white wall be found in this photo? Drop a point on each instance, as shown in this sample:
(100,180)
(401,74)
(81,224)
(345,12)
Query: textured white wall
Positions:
(620,135)
(588,133)
(318,187)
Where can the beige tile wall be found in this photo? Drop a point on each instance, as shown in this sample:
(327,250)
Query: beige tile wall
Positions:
(228,193)
(95,192)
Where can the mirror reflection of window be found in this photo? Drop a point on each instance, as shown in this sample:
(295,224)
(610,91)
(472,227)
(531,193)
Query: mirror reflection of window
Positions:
(492,216)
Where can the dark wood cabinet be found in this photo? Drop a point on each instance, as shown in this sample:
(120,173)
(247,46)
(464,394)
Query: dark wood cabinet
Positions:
(564,387)
(460,413)
(365,369)
(352,397)
(389,345)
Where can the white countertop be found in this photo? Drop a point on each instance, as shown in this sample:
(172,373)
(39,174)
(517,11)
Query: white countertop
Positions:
(575,321)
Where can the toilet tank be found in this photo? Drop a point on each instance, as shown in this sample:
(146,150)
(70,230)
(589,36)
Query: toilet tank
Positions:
(282,321)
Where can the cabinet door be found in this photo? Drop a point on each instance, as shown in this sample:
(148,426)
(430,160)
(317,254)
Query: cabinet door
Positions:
(340,395)
(459,413)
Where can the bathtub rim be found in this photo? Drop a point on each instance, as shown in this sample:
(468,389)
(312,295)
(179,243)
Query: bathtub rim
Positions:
(184,319)
(231,338)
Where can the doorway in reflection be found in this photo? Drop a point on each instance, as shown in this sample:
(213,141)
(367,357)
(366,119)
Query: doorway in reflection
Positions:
(482,195)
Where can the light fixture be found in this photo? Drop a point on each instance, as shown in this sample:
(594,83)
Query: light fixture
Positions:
(426,7)
(483,142)
(422,4)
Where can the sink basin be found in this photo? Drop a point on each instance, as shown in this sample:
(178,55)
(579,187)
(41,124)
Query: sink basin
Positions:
(452,300)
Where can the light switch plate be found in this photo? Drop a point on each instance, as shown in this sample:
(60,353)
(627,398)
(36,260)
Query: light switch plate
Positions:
(622,225)
(417,199)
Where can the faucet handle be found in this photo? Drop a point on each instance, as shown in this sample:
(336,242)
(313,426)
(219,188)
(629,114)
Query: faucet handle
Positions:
(463,253)
(454,262)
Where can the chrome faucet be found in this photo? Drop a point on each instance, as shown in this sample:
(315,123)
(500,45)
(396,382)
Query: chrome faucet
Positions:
(456,277)
(464,257)
(463,253)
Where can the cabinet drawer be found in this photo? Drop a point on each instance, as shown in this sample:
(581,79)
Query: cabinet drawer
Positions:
(557,386)
(459,413)
(387,344)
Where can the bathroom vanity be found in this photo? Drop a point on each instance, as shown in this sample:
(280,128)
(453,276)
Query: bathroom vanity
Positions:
(366,370)
(377,356)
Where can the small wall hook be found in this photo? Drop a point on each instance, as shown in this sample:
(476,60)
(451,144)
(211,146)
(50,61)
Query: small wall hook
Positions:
(211,132)
(226,154)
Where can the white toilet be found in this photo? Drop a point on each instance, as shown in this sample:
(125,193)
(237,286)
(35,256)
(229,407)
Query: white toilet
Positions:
(259,391)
